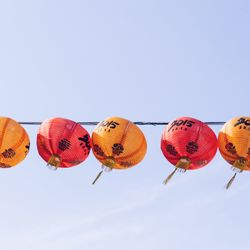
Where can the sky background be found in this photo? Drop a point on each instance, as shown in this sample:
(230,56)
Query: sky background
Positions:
(144,61)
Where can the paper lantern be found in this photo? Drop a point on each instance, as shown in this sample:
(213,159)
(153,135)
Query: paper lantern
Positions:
(234,144)
(63,143)
(188,144)
(118,143)
(14,143)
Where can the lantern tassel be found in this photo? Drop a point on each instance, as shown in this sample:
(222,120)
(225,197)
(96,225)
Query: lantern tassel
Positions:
(165,182)
(97,177)
(231,181)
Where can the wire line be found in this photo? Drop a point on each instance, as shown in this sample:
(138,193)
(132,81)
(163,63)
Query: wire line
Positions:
(137,123)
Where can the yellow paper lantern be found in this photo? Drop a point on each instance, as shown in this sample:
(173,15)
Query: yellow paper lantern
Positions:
(234,144)
(14,142)
(118,143)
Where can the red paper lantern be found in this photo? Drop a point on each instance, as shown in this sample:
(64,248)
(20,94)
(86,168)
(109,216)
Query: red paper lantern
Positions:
(188,144)
(63,143)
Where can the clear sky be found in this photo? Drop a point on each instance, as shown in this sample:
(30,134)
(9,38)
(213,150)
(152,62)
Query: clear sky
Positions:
(145,61)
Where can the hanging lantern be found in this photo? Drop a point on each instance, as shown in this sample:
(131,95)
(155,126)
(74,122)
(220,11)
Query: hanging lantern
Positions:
(118,144)
(14,143)
(188,144)
(63,143)
(234,144)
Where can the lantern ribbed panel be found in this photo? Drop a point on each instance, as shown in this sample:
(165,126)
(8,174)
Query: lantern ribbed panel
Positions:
(191,138)
(120,140)
(64,138)
(14,142)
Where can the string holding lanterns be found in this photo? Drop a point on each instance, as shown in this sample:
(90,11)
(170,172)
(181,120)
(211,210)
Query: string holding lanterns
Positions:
(188,144)
(234,145)
(118,144)
(63,143)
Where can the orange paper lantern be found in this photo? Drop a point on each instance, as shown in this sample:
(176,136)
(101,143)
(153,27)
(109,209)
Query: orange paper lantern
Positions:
(234,144)
(14,143)
(118,143)
(63,143)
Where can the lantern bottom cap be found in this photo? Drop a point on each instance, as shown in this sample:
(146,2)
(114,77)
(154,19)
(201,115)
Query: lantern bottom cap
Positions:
(183,163)
(54,160)
(109,162)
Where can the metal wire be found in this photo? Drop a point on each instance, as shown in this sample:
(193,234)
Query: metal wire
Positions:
(137,123)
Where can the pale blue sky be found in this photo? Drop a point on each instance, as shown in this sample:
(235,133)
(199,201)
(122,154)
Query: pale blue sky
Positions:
(142,60)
